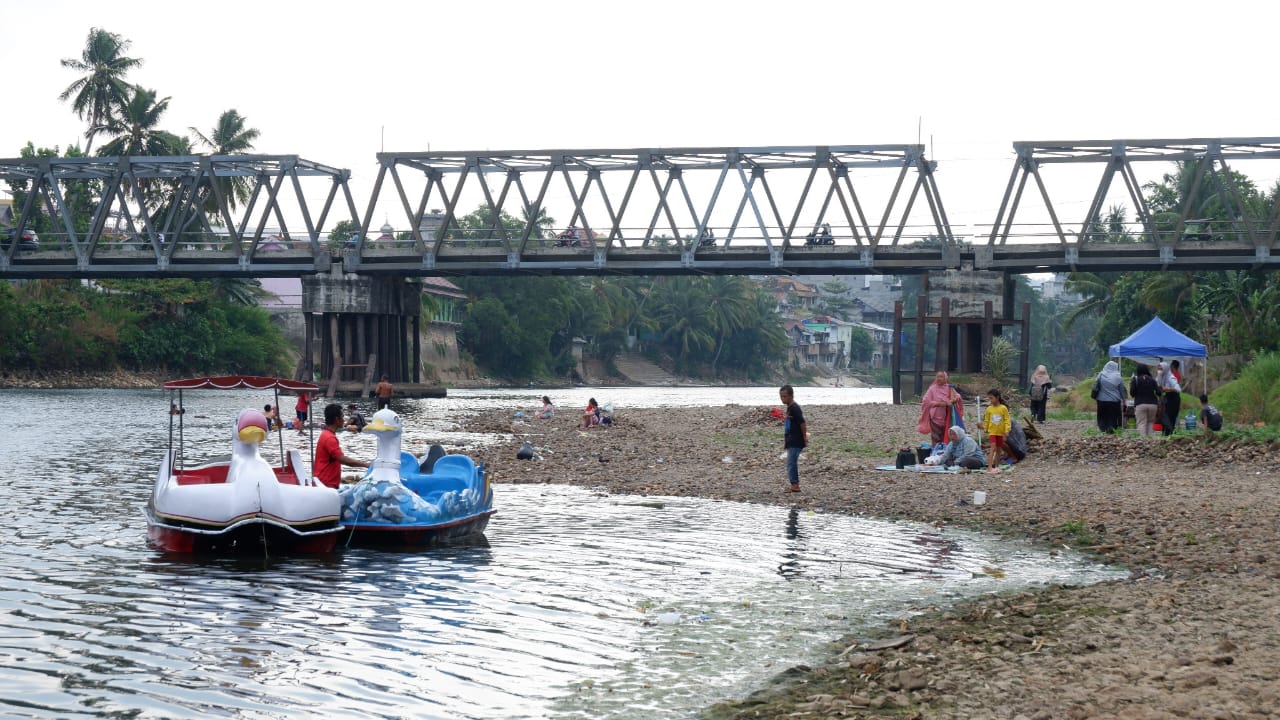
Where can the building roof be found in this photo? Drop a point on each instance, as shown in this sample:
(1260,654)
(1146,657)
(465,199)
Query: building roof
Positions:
(441,286)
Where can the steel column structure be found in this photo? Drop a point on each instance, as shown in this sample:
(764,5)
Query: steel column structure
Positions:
(168,216)
(1152,240)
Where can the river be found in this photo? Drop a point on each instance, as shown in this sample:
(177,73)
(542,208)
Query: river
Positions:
(573,604)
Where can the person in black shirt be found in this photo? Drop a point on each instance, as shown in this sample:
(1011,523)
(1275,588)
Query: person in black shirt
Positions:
(1146,400)
(795,435)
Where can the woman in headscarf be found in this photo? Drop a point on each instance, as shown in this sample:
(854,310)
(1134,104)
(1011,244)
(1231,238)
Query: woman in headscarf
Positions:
(1110,396)
(1041,386)
(936,408)
(1170,398)
(963,451)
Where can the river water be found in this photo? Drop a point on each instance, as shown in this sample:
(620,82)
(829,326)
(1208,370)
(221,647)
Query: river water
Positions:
(574,604)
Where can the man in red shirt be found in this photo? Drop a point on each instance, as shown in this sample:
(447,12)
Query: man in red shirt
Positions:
(329,455)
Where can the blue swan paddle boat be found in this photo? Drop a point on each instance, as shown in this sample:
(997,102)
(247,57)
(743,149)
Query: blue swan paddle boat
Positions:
(404,502)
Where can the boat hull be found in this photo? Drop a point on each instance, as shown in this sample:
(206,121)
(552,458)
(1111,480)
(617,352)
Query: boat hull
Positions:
(382,535)
(252,536)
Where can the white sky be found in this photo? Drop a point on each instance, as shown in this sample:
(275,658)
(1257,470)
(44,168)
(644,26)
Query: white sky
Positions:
(327,80)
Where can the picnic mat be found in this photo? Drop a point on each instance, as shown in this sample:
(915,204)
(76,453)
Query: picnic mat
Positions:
(951,470)
(922,469)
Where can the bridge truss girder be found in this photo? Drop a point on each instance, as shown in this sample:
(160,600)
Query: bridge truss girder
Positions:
(599,191)
(161,215)
(1249,243)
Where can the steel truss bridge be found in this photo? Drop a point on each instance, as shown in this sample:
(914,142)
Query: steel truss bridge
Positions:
(768,210)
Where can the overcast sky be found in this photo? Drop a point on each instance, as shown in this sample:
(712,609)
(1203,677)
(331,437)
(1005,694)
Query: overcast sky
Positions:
(336,82)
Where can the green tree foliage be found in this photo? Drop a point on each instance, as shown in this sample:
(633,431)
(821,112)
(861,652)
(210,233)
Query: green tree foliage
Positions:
(179,325)
(79,195)
(229,136)
(102,90)
(342,234)
(136,128)
(861,345)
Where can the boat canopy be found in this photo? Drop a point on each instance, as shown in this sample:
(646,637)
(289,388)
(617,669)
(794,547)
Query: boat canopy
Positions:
(234,382)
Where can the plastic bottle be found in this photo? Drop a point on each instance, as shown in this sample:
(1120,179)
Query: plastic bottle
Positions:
(1190,420)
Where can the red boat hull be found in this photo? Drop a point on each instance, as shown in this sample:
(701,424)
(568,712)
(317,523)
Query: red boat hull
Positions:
(251,538)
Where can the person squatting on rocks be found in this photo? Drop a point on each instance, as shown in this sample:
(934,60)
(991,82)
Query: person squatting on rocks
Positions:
(1108,391)
(1041,386)
(1210,416)
(936,408)
(963,451)
(795,436)
(590,415)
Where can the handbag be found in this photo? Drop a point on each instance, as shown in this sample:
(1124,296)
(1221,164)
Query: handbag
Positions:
(1097,385)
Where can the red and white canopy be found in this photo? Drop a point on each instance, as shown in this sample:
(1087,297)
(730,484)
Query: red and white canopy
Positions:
(235,382)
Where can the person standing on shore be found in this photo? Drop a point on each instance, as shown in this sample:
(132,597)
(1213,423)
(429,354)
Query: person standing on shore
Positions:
(1109,393)
(1146,400)
(997,424)
(1041,386)
(795,435)
(940,408)
(329,455)
(384,391)
(1171,394)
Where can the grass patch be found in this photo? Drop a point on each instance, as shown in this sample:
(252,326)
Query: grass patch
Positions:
(1078,532)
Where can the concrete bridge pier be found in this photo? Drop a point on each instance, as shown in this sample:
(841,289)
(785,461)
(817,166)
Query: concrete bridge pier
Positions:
(968,309)
(350,317)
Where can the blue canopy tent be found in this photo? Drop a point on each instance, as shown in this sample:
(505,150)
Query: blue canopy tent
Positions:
(1157,341)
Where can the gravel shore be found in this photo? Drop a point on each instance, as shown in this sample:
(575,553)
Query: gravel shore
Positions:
(1193,633)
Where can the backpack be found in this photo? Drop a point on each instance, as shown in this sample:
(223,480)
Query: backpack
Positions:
(1213,418)
(1037,392)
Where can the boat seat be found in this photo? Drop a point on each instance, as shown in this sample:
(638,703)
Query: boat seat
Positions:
(427,463)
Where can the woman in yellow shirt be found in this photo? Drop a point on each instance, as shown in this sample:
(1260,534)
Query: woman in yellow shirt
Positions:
(997,423)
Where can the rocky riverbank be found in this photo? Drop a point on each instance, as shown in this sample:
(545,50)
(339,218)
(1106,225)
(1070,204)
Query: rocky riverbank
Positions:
(66,380)
(1194,632)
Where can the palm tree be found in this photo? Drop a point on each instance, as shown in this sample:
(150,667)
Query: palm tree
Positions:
(229,137)
(102,90)
(682,312)
(1096,289)
(729,303)
(135,129)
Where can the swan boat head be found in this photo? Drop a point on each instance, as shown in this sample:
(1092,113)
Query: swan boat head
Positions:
(388,429)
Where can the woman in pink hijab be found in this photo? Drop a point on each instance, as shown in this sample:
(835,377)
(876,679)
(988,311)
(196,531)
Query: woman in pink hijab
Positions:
(936,406)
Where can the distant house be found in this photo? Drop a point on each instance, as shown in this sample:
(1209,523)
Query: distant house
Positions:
(790,294)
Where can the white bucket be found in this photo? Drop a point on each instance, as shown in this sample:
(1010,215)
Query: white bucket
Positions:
(979,497)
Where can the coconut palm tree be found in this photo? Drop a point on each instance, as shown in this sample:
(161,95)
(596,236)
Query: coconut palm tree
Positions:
(229,137)
(102,89)
(135,130)
(729,302)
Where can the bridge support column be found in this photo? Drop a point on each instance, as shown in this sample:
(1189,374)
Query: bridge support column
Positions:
(365,316)
(969,310)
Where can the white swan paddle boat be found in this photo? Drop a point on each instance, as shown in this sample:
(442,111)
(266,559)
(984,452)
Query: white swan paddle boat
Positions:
(404,501)
(240,503)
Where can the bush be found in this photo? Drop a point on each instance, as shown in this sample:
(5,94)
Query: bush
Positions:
(1255,395)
